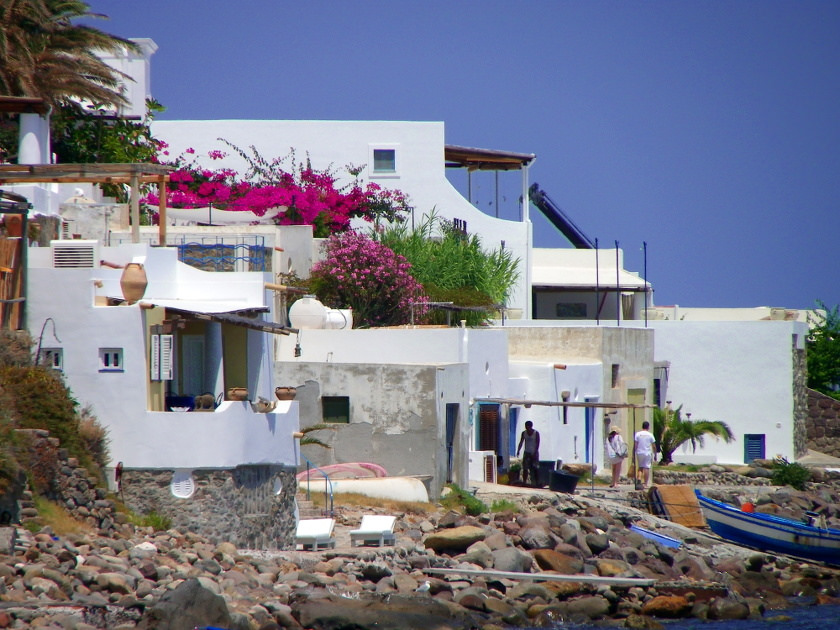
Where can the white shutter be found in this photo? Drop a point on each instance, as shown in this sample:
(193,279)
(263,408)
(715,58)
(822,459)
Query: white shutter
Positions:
(166,345)
(154,361)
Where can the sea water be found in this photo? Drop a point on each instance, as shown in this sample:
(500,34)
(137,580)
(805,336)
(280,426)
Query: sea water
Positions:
(796,618)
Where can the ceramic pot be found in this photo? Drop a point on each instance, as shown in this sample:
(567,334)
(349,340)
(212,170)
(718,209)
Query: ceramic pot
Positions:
(133,282)
(285,393)
(237,393)
(14,225)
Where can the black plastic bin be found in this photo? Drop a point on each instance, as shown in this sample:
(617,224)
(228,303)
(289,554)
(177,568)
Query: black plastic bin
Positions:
(544,470)
(561,481)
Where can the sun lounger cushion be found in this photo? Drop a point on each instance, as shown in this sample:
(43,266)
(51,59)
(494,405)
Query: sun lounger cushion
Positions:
(315,533)
(374,529)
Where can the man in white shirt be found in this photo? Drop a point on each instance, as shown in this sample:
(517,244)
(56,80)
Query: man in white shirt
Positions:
(531,440)
(645,449)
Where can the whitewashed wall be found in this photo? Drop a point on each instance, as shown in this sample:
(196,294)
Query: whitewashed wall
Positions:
(737,372)
(420,164)
(542,381)
(230,436)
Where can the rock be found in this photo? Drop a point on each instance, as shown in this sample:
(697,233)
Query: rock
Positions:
(186,607)
(512,559)
(8,537)
(454,539)
(721,608)
(608,567)
(667,606)
(597,543)
(552,560)
(479,553)
(537,536)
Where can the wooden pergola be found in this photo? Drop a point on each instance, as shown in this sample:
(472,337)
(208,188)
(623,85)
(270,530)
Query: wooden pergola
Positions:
(131,174)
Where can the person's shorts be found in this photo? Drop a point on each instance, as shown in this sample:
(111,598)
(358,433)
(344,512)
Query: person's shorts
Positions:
(643,460)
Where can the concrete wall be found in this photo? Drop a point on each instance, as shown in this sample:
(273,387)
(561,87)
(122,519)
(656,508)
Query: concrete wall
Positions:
(584,356)
(397,416)
(420,172)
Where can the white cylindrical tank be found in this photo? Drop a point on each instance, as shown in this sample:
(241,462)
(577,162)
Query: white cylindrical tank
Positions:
(340,318)
(308,312)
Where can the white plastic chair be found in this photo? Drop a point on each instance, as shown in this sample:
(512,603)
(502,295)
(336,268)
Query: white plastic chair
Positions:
(315,533)
(374,529)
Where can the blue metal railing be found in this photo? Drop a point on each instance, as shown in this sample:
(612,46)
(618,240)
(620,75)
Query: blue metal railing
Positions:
(219,253)
(328,489)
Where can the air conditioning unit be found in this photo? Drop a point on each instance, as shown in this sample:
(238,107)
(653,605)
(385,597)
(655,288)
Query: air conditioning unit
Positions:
(74,254)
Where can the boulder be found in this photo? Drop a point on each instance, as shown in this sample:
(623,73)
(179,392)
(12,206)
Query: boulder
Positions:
(454,539)
(552,560)
(512,559)
(667,606)
(188,606)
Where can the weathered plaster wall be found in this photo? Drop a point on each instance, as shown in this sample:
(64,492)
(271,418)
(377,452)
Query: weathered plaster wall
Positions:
(823,425)
(249,506)
(397,416)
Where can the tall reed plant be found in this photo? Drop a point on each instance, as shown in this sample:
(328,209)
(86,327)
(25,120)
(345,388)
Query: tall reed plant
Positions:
(453,266)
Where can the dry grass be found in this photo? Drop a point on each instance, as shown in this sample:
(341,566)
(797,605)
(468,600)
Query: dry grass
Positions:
(352,499)
(59,519)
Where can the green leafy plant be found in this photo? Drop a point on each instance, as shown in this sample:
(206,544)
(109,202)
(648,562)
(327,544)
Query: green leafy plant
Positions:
(823,350)
(671,431)
(460,500)
(791,474)
(453,266)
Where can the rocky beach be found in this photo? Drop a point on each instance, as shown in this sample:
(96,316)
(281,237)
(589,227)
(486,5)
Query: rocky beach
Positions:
(446,570)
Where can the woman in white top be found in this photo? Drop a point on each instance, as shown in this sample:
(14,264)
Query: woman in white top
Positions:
(616,452)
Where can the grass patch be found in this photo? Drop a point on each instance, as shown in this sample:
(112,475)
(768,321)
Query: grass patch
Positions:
(503,505)
(353,499)
(57,517)
(459,500)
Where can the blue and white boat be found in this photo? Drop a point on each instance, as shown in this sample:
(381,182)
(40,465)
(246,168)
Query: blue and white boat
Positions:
(808,540)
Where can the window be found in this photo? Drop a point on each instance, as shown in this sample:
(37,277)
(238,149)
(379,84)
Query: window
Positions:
(753,446)
(53,357)
(336,409)
(110,359)
(574,310)
(382,159)
(615,375)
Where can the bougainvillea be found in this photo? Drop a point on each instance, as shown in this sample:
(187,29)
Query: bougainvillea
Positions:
(370,278)
(288,192)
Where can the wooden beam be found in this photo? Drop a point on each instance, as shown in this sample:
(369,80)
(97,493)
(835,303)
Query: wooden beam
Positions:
(135,209)
(162,210)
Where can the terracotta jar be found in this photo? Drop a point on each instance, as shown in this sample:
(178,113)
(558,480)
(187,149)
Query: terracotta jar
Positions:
(285,393)
(237,393)
(133,282)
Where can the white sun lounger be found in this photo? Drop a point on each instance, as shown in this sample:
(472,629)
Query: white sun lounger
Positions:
(315,532)
(374,529)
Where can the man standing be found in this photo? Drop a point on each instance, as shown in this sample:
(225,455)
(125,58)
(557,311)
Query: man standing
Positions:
(531,440)
(645,448)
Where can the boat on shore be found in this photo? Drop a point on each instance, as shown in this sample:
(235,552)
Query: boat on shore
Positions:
(810,540)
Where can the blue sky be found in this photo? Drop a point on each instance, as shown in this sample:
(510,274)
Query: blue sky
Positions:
(709,130)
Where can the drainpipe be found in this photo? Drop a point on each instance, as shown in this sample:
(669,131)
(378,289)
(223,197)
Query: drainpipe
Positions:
(529,240)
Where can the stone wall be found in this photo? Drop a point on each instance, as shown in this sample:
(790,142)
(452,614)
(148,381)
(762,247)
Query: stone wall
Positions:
(823,423)
(800,402)
(251,507)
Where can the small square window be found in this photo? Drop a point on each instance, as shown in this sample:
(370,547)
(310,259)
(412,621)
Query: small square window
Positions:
(384,161)
(53,357)
(110,359)
(336,409)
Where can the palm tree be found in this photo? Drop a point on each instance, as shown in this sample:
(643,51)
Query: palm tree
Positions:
(43,53)
(672,431)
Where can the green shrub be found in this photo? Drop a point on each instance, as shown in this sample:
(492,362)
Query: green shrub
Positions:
(790,474)
(460,500)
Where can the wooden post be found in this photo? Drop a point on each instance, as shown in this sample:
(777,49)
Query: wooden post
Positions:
(135,209)
(162,211)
